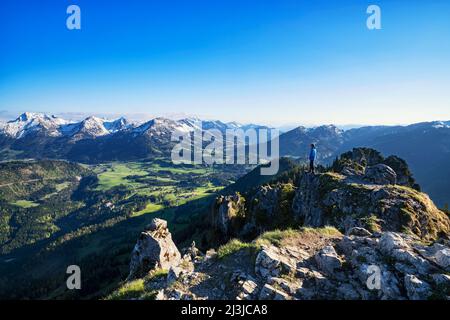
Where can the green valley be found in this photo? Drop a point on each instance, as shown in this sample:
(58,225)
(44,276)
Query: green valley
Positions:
(57,213)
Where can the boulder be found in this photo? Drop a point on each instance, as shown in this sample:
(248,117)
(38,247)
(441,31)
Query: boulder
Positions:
(347,292)
(390,286)
(416,288)
(154,250)
(390,241)
(443,257)
(380,174)
(360,232)
(272,262)
(288,286)
(442,280)
(269,292)
(192,252)
(328,260)
(248,289)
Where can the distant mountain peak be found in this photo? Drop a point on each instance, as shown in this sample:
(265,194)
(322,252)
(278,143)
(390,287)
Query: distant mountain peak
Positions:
(26,116)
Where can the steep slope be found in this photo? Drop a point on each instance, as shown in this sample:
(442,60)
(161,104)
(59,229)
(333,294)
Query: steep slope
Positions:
(253,179)
(34,196)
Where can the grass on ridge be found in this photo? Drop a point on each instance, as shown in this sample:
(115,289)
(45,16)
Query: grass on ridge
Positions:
(233,246)
(130,290)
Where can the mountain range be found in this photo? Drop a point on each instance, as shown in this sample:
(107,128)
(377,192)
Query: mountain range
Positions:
(425,146)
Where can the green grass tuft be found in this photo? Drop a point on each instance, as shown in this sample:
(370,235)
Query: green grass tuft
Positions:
(276,236)
(233,246)
(130,290)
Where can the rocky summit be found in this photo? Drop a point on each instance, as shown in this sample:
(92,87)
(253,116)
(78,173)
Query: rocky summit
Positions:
(360,229)
(310,263)
(361,189)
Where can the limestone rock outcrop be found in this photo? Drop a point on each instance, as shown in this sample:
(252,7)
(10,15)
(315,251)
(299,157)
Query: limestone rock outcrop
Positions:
(154,249)
(361,189)
(310,264)
(346,202)
(227,213)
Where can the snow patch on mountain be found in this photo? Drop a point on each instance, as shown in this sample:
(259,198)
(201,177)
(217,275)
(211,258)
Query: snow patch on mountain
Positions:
(29,122)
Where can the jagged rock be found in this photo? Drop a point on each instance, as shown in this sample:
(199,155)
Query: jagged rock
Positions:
(154,249)
(271,262)
(358,161)
(363,190)
(404,175)
(390,241)
(348,292)
(289,272)
(390,286)
(319,264)
(360,232)
(306,203)
(289,286)
(157,225)
(380,174)
(268,263)
(173,274)
(443,257)
(192,251)
(248,288)
(442,280)
(336,200)
(303,272)
(268,292)
(266,199)
(226,213)
(328,260)
(416,288)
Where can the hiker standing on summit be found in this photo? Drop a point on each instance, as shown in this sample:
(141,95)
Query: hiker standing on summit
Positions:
(312,158)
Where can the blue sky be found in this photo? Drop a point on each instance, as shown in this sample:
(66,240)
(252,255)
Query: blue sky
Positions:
(276,62)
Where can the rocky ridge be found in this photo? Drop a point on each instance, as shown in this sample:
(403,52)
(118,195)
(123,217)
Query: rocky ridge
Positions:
(359,190)
(309,264)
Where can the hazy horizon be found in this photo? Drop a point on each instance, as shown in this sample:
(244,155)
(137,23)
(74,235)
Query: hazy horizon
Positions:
(142,117)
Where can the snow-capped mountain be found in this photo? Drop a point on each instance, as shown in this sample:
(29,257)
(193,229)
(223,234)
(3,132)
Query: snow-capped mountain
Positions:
(162,126)
(117,125)
(28,123)
(219,125)
(36,135)
(94,127)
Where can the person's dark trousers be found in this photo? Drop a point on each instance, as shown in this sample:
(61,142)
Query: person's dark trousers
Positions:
(311,166)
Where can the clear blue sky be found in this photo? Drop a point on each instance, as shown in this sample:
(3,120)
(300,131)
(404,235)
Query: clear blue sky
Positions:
(284,61)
